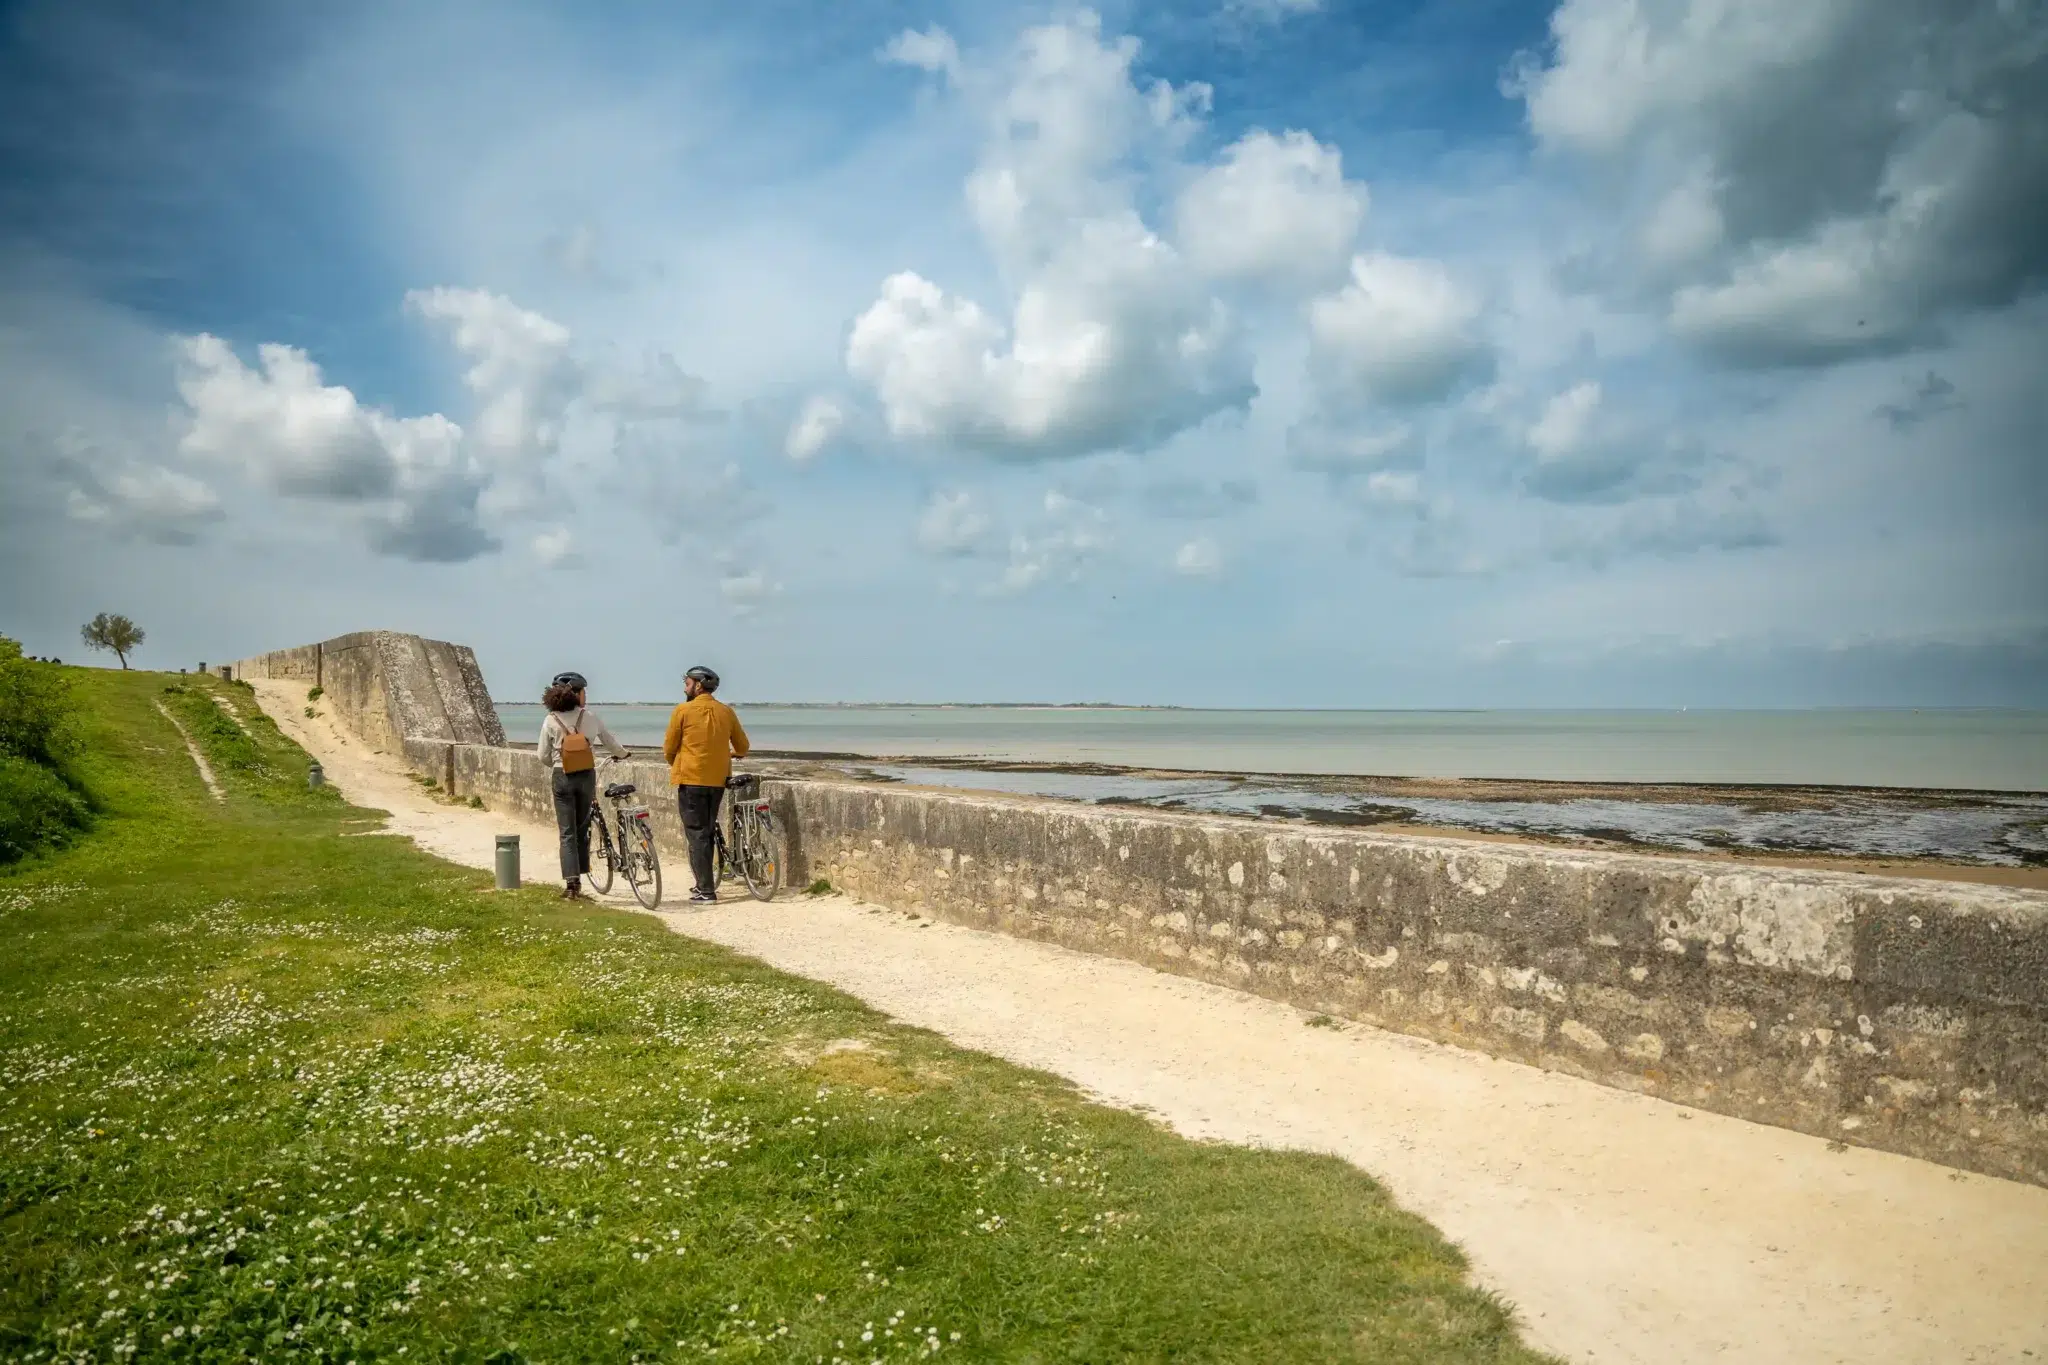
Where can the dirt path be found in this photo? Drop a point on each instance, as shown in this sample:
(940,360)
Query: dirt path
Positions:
(198,759)
(1624,1228)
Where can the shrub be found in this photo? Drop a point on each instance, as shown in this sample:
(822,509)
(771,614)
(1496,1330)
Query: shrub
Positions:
(820,887)
(315,694)
(37,809)
(35,710)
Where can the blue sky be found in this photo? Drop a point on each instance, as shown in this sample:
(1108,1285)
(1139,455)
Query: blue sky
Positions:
(1452,353)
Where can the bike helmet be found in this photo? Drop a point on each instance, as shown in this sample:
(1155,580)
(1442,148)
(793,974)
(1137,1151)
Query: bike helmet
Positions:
(705,676)
(574,680)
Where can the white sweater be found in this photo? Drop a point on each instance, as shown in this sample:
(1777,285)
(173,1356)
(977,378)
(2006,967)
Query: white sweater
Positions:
(584,721)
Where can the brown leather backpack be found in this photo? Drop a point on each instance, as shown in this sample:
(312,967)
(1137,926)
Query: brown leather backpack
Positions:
(576,755)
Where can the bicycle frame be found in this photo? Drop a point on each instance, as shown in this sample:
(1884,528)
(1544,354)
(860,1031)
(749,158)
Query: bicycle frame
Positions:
(629,830)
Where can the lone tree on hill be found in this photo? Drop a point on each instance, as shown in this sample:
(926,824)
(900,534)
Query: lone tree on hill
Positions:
(112,631)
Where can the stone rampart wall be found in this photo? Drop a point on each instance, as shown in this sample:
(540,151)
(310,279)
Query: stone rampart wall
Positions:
(1901,1014)
(386,686)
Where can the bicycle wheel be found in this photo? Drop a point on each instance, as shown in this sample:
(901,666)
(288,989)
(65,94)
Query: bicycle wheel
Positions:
(643,860)
(602,858)
(761,856)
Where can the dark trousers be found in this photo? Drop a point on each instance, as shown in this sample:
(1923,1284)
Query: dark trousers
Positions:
(575,794)
(699,808)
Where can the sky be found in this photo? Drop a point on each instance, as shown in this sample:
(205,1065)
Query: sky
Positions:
(1426,353)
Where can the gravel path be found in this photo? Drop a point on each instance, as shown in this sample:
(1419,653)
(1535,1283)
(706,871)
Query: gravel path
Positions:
(198,759)
(1623,1228)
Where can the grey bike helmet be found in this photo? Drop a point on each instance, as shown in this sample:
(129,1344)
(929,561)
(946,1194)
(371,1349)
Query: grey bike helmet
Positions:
(574,680)
(704,676)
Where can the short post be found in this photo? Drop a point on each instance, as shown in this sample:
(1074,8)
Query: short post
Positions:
(508,862)
(316,776)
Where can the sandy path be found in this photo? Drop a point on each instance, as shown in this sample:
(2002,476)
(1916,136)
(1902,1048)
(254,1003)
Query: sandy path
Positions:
(1624,1228)
(198,759)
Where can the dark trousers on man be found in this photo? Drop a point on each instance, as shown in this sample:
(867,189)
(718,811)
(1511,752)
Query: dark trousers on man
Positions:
(575,795)
(698,807)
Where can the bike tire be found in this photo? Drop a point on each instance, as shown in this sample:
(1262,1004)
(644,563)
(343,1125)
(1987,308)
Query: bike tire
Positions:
(761,857)
(641,854)
(603,862)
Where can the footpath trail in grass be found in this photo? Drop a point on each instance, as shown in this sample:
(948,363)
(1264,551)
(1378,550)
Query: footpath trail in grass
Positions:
(268,1091)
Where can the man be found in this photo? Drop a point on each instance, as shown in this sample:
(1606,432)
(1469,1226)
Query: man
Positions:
(704,737)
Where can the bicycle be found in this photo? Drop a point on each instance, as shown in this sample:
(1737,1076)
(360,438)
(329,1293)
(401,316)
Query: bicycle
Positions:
(631,852)
(754,850)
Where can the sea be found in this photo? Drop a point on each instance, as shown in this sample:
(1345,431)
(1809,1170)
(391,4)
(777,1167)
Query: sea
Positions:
(1952,750)
(1961,785)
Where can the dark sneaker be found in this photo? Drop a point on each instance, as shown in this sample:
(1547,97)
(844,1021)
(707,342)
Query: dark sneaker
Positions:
(703,898)
(572,892)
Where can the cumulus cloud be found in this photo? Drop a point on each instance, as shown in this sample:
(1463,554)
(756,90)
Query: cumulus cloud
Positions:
(932,50)
(1344,451)
(1074,533)
(522,376)
(817,424)
(555,548)
(746,591)
(954,523)
(1402,332)
(415,479)
(1587,453)
(143,502)
(1818,180)
(427,487)
(280,423)
(1274,209)
(1113,338)
(1198,558)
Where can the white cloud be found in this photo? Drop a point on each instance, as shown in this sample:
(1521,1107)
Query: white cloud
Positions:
(1198,558)
(747,591)
(1816,180)
(1113,339)
(426,487)
(1273,209)
(1344,450)
(279,423)
(1393,488)
(953,523)
(932,50)
(521,373)
(1074,533)
(555,548)
(1562,428)
(1403,331)
(1586,452)
(146,502)
(817,424)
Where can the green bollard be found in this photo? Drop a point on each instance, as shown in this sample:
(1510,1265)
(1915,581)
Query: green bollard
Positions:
(508,862)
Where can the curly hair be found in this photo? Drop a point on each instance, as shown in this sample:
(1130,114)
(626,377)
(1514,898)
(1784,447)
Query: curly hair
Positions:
(560,697)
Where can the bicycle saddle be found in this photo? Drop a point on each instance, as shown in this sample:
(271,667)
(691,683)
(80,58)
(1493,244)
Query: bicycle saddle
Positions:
(619,789)
(742,780)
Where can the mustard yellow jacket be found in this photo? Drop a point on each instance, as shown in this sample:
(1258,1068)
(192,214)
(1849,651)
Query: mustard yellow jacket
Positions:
(704,737)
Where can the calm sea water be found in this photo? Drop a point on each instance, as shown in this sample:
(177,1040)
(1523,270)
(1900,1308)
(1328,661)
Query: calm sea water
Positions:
(1965,750)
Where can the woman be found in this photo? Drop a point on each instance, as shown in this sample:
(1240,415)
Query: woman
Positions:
(565,739)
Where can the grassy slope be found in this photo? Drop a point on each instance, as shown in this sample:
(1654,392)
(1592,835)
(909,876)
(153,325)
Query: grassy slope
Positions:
(265,1090)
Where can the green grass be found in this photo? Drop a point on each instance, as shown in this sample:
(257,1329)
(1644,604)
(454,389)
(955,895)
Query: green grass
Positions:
(268,1091)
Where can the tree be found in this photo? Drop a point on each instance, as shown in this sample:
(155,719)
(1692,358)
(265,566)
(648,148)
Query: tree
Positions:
(112,631)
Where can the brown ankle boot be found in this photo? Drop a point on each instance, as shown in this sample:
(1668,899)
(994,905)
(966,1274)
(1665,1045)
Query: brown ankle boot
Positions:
(572,891)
